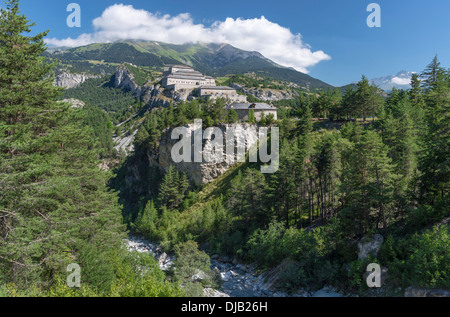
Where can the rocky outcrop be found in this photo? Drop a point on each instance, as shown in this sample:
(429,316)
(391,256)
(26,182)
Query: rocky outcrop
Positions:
(68,80)
(159,101)
(369,246)
(266,94)
(210,292)
(198,173)
(182,94)
(165,261)
(125,142)
(125,79)
(76,104)
(107,165)
(149,91)
(150,94)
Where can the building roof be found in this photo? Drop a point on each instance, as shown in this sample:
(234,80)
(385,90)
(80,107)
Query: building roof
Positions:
(247,106)
(186,77)
(192,73)
(177,66)
(217,87)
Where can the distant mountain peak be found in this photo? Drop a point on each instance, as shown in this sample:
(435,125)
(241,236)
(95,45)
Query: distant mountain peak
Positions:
(401,80)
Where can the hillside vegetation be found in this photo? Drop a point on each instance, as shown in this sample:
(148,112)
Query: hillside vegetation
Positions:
(210,59)
(354,166)
(336,186)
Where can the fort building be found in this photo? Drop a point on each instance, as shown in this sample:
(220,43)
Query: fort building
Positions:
(243,110)
(178,77)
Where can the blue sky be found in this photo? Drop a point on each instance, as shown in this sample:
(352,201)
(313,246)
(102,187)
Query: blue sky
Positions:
(339,46)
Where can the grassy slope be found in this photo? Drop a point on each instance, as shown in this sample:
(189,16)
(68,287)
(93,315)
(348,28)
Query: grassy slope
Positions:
(202,56)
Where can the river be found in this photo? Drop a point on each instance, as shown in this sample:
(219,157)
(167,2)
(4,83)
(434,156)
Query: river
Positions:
(238,280)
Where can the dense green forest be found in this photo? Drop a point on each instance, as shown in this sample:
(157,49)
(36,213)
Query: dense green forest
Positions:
(100,92)
(340,180)
(55,207)
(352,165)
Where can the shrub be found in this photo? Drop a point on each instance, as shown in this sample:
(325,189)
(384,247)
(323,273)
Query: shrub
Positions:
(421,259)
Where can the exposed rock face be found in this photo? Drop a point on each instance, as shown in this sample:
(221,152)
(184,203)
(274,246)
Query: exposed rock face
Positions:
(107,165)
(165,261)
(150,94)
(160,101)
(369,246)
(150,91)
(69,80)
(125,79)
(76,104)
(153,95)
(204,172)
(182,94)
(209,292)
(125,142)
(266,94)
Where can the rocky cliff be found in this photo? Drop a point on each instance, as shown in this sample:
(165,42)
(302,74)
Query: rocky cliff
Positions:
(198,173)
(151,94)
(124,78)
(68,80)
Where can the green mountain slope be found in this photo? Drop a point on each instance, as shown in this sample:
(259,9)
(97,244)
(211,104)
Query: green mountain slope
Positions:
(211,59)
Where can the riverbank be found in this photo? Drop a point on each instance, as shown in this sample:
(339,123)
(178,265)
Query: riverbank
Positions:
(238,280)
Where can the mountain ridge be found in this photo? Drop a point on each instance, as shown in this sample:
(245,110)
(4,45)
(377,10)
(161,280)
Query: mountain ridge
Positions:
(212,59)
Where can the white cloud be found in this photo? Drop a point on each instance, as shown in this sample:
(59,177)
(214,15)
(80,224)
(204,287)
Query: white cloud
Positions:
(123,22)
(401,81)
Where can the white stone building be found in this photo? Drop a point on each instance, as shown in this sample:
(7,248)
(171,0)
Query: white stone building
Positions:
(178,77)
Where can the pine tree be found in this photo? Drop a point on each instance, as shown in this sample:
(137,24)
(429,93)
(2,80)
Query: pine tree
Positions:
(434,163)
(282,185)
(363,97)
(401,135)
(367,99)
(368,185)
(305,123)
(430,74)
(348,103)
(232,116)
(173,188)
(415,93)
(145,224)
(54,201)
